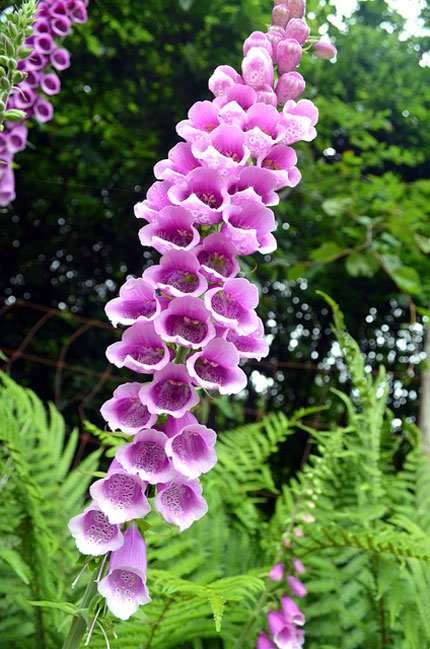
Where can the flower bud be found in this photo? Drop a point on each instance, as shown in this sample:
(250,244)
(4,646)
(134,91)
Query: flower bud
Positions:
(257,68)
(277,572)
(324,50)
(288,55)
(266,95)
(257,39)
(290,86)
(280,15)
(298,29)
(297,8)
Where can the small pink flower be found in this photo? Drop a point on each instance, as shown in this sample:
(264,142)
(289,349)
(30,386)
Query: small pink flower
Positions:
(192,450)
(171,392)
(173,230)
(186,322)
(277,572)
(93,533)
(177,274)
(125,412)
(232,305)
(297,588)
(136,302)
(140,349)
(180,502)
(216,368)
(146,457)
(298,566)
(324,50)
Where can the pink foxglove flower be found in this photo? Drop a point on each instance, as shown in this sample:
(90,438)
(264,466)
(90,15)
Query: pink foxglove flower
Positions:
(298,29)
(263,642)
(249,226)
(174,230)
(277,572)
(186,322)
(288,55)
(281,161)
(136,302)
(290,86)
(224,150)
(204,193)
(324,50)
(180,502)
(125,412)
(257,68)
(180,161)
(291,611)
(141,349)
(280,15)
(263,128)
(171,392)
(297,588)
(93,533)
(177,274)
(216,256)
(156,199)
(298,566)
(146,457)
(232,305)
(285,635)
(202,119)
(120,496)
(124,587)
(251,346)
(216,368)
(192,450)
(257,39)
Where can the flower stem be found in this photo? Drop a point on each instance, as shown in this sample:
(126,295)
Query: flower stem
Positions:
(79,624)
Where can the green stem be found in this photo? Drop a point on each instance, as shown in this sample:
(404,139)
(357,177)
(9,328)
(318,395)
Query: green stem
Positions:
(180,355)
(79,624)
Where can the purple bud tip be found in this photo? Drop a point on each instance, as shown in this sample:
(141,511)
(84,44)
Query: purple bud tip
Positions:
(280,15)
(324,50)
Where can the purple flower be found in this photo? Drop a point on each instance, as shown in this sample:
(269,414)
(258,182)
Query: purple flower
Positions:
(180,161)
(177,274)
(298,566)
(125,412)
(255,184)
(277,572)
(239,94)
(202,119)
(173,230)
(288,55)
(216,368)
(291,611)
(299,120)
(297,588)
(124,587)
(297,29)
(324,50)
(36,61)
(145,457)
(43,110)
(257,39)
(180,502)
(61,26)
(25,97)
(120,496)
(171,392)
(248,226)
(156,199)
(44,44)
(136,303)
(266,95)
(203,192)
(285,635)
(17,138)
(263,128)
(280,15)
(77,11)
(251,346)
(60,59)
(216,255)
(263,642)
(257,68)
(290,86)
(297,8)
(7,186)
(93,533)
(50,84)
(224,150)
(140,349)
(280,160)
(222,79)
(186,322)
(176,425)
(232,304)
(192,450)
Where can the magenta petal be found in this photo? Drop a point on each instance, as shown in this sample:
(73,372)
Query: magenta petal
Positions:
(140,349)
(93,533)
(192,450)
(277,572)
(145,457)
(216,255)
(175,426)
(232,304)
(121,496)
(177,274)
(180,162)
(216,368)
(125,412)
(204,193)
(185,322)
(156,199)
(297,588)
(291,611)
(173,230)
(171,392)
(136,302)
(263,642)
(180,502)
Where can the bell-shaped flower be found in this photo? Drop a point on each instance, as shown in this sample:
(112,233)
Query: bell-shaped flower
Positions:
(44,44)
(216,368)
(296,586)
(298,29)
(202,120)
(232,114)
(280,15)
(36,61)
(77,11)
(93,533)
(25,97)
(257,68)
(291,611)
(17,138)
(297,8)
(254,184)
(180,161)
(263,129)
(125,412)
(277,572)
(50,84)
(186,322)
(275,35)
(156,199)
(266,95)
(240,94)
(298,120)
(177,274)
(33,78)
(61,26)
(216,254)
(173,230)
(249,226)
(192,450)
(288,55)
(124,586)
(222,79)
(60,59)
(285,635)
(232,305)
(171,392)
(7,186)
(252,345)
(136,303)
(203,192)
(263,642)
(180,502)
(43,110)
(224,150)
(140,349)
(146,457)
(58,8)
(298,566)
(290,86)
(120,495)
(257,39)
(175,425)
(280,160)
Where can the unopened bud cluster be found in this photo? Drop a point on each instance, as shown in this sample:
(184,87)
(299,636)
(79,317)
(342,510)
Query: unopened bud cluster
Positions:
(33,69)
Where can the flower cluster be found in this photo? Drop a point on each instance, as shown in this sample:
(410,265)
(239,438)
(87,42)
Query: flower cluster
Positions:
(190,320)
(54,19)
